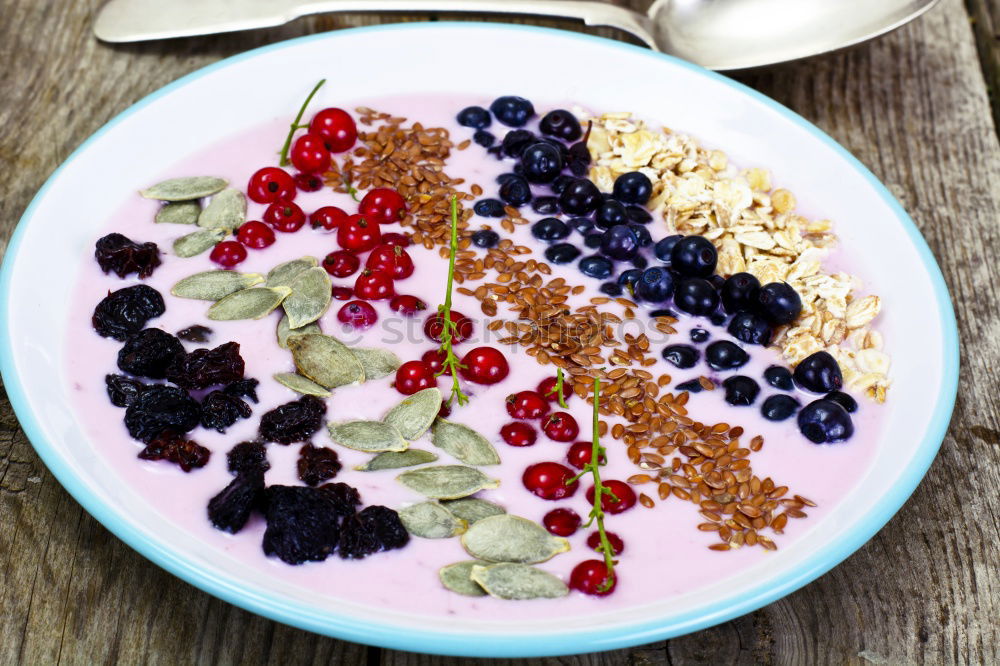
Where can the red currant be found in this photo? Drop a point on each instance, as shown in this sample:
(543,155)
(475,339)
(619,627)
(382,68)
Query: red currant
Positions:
(271,184)
(285,216)
(342,293)
(255,234)
(485,365)
(548,480)
(435,358)
(228,253)
(309,154)
(414,376)
(518,433)
(561,427)
(461,332)
(308,182)
(581,453)
(374,285)
(391,259)
(341,263)
(327,218)
(527,405)
(617,545)
(592,577)
(547,389)
(383,205)
(357,314)
(624,494)
(562,522)
(407,306)
(393,238)
(357,234)
(336,127)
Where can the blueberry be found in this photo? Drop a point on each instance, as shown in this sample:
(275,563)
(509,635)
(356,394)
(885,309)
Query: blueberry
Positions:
(545,205)
(682,356)
(594,240)
(717,318)
(619,242)
(779,377)
(655,285)
(662,312)
(596,266)
(638,214)
(739,292)
(550,229)
(515,191)
(694,256)
(581,224)
(484,138)
(610,213)
(844,400)
(640,261)
(541,163)
(516,141)
(779,407)
(691,386)
(699,335)
(581,197)
(512,111)
(561,124)
(717,281)
(579,159)
(504,178)
(696,296)
(750,328)
(824,421)
(819,373)
(779,303)
(725,355)
(560,183)
(741,390)
(633,188)
(558,145)
(665,247)
(629,278)
(475,117)
(489,208)
(641,233)
(562,253)
(485,238)
(612,289)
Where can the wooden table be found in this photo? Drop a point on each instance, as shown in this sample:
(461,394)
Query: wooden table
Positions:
(912,106)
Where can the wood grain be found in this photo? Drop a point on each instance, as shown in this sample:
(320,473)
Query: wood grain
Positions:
(912,106)
(985,15)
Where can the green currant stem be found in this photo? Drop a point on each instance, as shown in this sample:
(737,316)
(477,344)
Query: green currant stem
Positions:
(451,362)
(296,125)
(558,390)
(351,189)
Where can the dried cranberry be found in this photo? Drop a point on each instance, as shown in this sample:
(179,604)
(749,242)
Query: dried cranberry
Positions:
(122,390)
(160,408)
(173,447)
(219,410)
(208,367)
(126,311)
(231,508)
(294,421)
(196,333)
(120,254)
(149,352)
(317,464)
(373,529)
(302,523)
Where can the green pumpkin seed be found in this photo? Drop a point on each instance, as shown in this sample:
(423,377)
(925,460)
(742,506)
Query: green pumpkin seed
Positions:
(507,538)
(430,520)
(415,414)
(446,481)
(284,331)
(473,509)
(213,285)
(310,297)
(227,210)
(517,581)
(181,212)
(397,459)
(463,443)
(457,577)
(377,363)
(253,303)
(185,189)
(282,275)
(300,384)
(325,360)
(197,242)
(369,436)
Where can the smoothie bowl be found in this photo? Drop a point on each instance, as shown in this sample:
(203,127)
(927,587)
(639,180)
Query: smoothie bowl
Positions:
(524,368)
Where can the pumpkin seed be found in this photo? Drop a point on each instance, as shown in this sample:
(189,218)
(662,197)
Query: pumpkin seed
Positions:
(197,242)
(517,581)
(253,303)
(457,577)
(377,362)
(227,210)
(446,481)
(284,331)
(282,275)
(213,285)
(415,414)
(370,436)
(310,297)
(507,538)
(181,212)
(463,443)
(397,459)
(473,509)
(430,520)
(325,360)
(185,189)
(300,384)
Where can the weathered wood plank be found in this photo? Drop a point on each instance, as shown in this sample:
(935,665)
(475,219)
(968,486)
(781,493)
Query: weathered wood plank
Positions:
(985,16)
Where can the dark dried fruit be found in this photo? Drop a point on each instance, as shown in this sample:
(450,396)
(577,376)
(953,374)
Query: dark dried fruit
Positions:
(126,311)
(118,253)
(346,498)
(208,367)
(123,390)
(172,446)
(248,457)
(373,529)
(317,465)
(149,352)
(160,408)
(302,523)
(244,388)
(196,333)
(231,508)
(294,421)
(220,410)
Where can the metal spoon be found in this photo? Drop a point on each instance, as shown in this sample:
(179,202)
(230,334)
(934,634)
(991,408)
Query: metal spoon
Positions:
(718,34)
